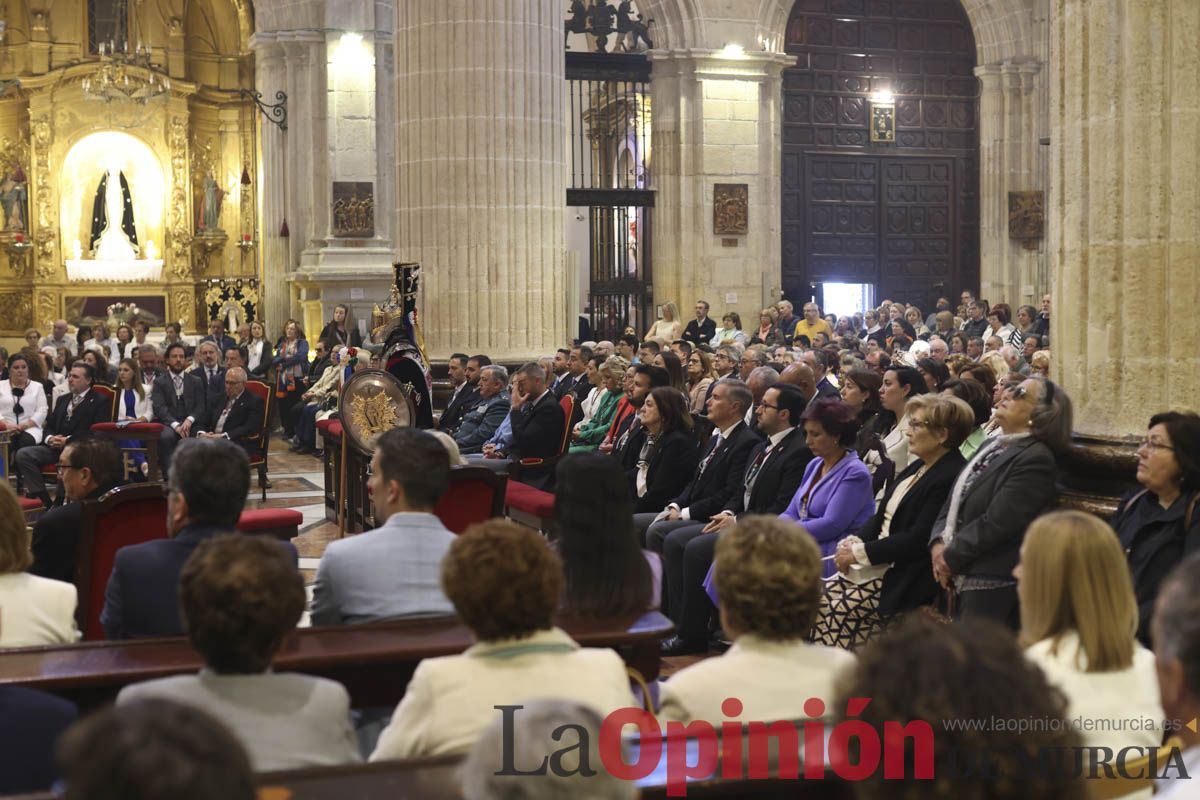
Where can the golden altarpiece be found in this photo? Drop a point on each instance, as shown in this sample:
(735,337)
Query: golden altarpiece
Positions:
(132,109)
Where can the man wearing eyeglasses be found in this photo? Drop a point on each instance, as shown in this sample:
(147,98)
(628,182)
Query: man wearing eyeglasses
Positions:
(241,416)
(72,417)
(87,468)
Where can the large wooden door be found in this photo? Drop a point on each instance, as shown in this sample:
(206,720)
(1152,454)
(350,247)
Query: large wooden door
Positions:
(902,216)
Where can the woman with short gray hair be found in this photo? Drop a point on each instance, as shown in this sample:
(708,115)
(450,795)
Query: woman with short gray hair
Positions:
(976,540)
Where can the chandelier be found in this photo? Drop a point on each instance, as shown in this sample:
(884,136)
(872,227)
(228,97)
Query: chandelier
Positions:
(125,77)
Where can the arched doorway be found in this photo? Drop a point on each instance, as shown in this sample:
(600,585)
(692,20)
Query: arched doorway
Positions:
(899,217)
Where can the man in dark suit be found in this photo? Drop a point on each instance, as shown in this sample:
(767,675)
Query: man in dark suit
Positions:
(31,723)
(148,360)
(178,398)
(209,371)
(72,417)
(537,424)
(457,369)
(577,365)
(469,397)
(702,329)
(89,468)
(774,469)
(239,419)
(217,335)
(818,362)
(208,488)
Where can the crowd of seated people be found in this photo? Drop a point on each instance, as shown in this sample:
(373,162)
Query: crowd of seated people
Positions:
(813,521)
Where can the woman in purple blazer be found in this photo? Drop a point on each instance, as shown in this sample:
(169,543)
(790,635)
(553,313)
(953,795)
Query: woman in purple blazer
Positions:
(834,499)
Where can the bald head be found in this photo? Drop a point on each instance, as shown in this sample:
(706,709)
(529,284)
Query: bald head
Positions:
(761,379)
(800,376)
(235,382)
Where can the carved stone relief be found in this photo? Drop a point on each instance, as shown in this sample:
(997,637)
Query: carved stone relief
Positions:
(15,310)
(180,219)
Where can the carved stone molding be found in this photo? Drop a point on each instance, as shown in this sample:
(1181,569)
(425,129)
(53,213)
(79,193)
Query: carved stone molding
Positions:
(15,310)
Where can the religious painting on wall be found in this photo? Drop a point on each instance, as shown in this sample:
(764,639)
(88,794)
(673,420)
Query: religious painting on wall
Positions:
(354,209)
(1026,217)
(90,309)
(731,208)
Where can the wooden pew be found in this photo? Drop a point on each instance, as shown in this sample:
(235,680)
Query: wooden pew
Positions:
(374,662)
(436,778)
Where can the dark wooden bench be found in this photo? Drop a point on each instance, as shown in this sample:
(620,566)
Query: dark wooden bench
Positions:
(374,662)
(436,778)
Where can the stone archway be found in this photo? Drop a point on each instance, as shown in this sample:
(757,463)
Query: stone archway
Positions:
(1013,109)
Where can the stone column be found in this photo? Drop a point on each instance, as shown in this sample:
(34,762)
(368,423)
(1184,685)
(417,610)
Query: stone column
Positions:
(481,172)
(1009,117)
(716,120)
(271,73)
(1124,209)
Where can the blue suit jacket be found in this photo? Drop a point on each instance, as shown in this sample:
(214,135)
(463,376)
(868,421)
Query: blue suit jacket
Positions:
(30,724)
(142,597)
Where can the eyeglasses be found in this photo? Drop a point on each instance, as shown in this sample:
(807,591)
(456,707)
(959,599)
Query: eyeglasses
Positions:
(61,468)
(919,425)
(768,405)
(1152,445)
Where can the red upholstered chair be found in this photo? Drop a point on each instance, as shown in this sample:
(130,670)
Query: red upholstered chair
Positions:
(530,506)
(281,523)
(331,431)
(146,433)
(121,517)
(261,441)
(4,442)
(31,509)
(475,494)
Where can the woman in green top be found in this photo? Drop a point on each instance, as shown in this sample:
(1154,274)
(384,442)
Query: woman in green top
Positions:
(587,437)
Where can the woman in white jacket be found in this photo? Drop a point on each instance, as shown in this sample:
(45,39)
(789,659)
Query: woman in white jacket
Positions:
(37,610)
(23,405)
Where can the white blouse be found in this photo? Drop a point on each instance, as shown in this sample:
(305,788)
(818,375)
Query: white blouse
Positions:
(254,352)
(142,408)
(33,403)
(896,443)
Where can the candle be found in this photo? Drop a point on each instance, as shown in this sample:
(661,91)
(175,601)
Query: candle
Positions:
(19,237)
(245,237)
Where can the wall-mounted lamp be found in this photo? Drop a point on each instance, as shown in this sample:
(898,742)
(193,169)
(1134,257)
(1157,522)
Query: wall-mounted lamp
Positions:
(732,50)
(883,116)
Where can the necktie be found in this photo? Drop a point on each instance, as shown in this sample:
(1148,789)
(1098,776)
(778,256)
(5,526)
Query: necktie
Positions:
(75,400)
(221,420)
(717,445)
(177,379)
(752,473)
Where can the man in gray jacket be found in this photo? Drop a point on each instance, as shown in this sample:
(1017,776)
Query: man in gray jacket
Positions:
(394,570)
(482,420)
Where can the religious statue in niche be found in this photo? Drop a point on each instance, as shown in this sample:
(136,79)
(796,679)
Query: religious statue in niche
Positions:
(210,211)
(1026,217)
(354,209)
(113,240)
(600,20)
(14,199)
(731,208)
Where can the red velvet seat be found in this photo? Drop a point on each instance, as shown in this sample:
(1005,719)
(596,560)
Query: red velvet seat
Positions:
(261,441)
(281,523)
(124,516)
(32,509)
(522,497)
(475,494)
(133,427)
(331,462)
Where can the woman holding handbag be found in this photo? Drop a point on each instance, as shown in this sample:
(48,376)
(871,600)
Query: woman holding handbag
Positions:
(883,570)
(290,362)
